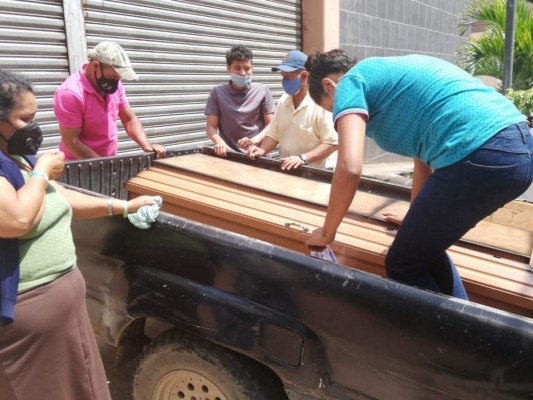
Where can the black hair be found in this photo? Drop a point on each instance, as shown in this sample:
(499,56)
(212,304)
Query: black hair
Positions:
(11,88)
(321,65)
(240,53)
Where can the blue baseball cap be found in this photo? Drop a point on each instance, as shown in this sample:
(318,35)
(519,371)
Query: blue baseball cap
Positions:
(293,61)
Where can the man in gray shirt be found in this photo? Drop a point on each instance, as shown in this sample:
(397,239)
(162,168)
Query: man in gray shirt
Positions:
(238,109)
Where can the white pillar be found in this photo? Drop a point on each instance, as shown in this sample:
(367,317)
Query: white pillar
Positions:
(75,32)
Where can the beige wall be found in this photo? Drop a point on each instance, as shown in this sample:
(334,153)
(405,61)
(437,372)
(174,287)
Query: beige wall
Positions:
(320,25)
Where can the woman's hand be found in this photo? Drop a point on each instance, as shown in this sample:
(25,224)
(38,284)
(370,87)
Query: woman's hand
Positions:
(138,202)
(319,239)
(51,163)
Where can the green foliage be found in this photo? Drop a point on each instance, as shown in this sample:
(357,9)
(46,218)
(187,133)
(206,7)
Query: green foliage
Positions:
(522,99)
(484,55)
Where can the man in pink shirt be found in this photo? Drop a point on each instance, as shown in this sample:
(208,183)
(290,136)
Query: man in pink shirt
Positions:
(88,103)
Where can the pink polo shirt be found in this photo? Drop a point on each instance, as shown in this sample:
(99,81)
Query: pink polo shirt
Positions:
(78,105)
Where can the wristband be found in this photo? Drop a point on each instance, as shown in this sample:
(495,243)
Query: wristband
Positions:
(40,175)
(125,209)
(110,206)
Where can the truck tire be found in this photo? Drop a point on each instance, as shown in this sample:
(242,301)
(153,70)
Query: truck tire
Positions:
(179,366)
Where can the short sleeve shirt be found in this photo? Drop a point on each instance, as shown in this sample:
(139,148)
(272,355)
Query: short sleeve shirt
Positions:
(239,112)
(78,105)
(423,107)
(301,130)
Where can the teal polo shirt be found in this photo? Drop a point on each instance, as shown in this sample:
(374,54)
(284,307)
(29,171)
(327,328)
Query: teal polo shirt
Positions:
(423,107)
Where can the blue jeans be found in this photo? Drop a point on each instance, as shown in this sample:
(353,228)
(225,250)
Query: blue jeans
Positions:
(452,201)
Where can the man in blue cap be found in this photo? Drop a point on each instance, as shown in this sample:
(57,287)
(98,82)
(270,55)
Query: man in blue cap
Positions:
(303,130)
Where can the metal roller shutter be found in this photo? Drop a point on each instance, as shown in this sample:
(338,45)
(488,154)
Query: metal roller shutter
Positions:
(33,43)
(178,50)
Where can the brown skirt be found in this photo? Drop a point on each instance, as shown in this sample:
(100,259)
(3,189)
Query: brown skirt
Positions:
(50,351)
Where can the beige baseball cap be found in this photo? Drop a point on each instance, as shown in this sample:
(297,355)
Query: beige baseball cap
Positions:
(111,53)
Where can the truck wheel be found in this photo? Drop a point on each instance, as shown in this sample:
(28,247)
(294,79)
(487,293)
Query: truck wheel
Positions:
(179,366)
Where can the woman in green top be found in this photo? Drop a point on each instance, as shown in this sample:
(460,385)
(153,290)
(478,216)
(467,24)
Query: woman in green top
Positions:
(47,347)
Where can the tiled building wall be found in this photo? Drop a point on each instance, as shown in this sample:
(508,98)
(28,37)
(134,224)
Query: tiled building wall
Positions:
(371,28)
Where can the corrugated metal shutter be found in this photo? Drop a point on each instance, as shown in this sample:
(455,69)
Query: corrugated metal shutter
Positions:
(178,50)
(32,42)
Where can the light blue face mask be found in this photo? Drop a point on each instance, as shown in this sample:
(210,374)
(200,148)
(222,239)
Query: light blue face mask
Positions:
(241,80)
(291,86)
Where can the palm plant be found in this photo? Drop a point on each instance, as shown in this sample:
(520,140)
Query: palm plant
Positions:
(484,55)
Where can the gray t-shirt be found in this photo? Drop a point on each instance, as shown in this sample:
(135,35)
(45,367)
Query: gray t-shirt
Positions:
(239,112)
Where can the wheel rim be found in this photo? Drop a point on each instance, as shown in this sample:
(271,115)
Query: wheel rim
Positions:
(187,385)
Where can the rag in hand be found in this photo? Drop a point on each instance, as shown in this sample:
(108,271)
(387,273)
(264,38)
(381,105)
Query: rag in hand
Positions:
(145,215)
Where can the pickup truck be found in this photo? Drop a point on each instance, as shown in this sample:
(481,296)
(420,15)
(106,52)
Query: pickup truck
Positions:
(218,304)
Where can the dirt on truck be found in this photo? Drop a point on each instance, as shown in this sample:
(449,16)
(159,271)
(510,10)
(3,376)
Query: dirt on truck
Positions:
(220,298)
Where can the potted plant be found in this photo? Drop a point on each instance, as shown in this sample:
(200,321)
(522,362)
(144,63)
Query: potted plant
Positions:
(523,101)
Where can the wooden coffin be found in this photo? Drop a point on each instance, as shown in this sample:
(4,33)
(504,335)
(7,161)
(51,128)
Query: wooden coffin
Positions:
(282,209)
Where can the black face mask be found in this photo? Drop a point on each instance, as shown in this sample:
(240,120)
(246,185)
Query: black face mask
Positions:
(107,85)
(25,141)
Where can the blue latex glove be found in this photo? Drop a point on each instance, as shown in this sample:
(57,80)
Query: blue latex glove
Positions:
(145,215)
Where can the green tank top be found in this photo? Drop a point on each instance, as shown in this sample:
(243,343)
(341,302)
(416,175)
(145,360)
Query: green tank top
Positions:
(47,251)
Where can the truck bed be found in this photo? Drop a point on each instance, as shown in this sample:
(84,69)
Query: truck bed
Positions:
(281,209)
